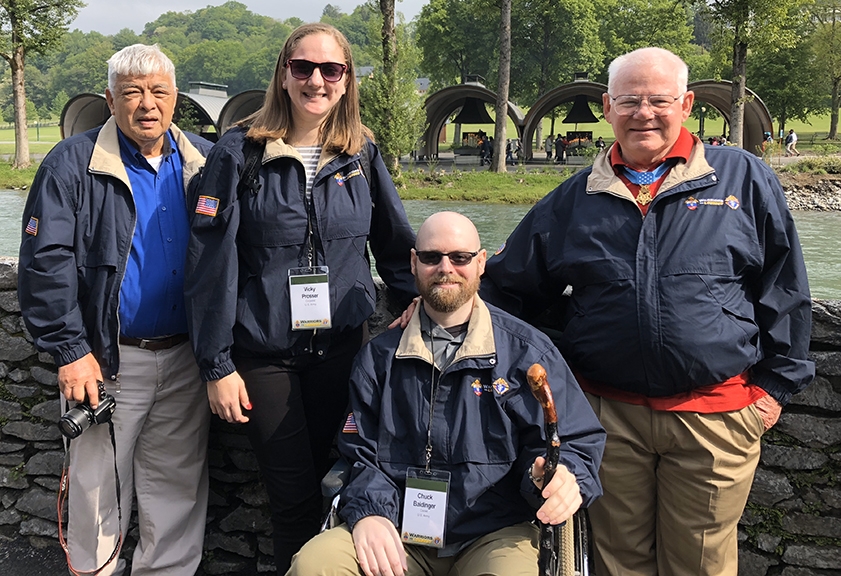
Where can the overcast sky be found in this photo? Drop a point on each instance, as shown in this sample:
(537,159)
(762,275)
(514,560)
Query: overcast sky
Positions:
(111,16)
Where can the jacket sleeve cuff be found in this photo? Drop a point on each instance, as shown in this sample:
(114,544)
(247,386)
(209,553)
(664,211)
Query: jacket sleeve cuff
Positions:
(70,355)
(218,372)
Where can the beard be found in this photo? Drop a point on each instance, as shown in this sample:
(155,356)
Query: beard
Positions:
(447,299)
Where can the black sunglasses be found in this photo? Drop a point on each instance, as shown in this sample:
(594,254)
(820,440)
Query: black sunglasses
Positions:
(432,258)
(303,69)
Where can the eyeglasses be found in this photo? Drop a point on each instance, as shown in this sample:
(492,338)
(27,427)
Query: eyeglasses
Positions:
(659,104)
(303,69)
(432,258)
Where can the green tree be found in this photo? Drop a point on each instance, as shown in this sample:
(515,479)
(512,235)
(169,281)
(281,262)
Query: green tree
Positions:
(456,38)
(84,71)
(390,105)
(217,61)
(750,23)
(503,83)
(630,24)
(826,44)
(30,26)
(787,82)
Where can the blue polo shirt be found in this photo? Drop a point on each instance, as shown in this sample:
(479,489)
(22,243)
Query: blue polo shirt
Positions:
(152,293)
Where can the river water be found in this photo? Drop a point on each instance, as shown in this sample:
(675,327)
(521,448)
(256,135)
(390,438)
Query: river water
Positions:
(820,233)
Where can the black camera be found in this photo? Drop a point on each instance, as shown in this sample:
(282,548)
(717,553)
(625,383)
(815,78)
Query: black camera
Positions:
(79,418)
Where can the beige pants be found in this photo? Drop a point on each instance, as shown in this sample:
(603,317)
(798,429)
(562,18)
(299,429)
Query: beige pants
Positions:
(675,485)
(161,427)
(511,551)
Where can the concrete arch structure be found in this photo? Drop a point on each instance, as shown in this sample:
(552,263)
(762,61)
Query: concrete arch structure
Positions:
(565,93)
(440,105)
(715,93)
(213,113)
(83,112)
(239,107)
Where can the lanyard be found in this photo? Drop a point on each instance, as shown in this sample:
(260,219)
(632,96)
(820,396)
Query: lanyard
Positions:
(433,392)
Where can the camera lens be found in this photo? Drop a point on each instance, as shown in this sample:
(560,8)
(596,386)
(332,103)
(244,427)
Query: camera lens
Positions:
(74,422)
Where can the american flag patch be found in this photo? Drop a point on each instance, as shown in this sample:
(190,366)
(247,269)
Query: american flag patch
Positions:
(350,425)
(32,227)
(208,205)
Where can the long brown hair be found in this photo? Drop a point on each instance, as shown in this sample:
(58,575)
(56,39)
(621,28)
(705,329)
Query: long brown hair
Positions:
(342,130)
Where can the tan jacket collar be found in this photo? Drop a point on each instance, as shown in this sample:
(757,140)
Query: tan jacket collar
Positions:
(479,341)
(603,179)
(106,158)
(277,148)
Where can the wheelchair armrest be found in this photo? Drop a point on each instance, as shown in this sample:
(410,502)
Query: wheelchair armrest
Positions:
(335,479)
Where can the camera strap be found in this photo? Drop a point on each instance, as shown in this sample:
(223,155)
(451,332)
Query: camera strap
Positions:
(62,497)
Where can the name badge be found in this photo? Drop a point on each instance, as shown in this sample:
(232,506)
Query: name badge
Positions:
(309,294)
(425,507)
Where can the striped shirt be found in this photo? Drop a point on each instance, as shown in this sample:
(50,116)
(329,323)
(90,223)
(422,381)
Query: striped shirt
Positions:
(310,156)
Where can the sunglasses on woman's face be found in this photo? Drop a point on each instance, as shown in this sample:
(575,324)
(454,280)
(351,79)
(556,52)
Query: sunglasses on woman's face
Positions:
(433,258)
(303,69)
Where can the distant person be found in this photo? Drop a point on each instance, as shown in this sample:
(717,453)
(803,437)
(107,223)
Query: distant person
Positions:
(600,144)
(101,290)
(548,144)
(279,286)
(791,143)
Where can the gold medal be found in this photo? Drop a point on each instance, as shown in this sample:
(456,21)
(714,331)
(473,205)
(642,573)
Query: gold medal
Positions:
(644,195)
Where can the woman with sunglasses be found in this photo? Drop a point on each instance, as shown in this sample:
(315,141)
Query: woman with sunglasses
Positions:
(279,284)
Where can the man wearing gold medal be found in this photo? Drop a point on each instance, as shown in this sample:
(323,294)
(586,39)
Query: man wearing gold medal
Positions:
(687,319)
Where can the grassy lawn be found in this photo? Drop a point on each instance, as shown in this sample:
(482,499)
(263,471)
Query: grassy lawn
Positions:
(515,187)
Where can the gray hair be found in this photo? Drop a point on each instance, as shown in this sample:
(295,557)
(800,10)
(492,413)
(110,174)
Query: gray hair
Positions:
(653,57)
(139,60)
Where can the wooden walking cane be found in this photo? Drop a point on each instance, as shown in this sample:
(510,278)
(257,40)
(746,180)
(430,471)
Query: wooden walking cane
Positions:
(553,539)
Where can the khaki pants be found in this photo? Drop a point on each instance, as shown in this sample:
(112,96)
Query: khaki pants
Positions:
(161,426)
(511,551)
(675,485)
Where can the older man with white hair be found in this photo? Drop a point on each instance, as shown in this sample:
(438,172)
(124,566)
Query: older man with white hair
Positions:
(105,232)
(687,324)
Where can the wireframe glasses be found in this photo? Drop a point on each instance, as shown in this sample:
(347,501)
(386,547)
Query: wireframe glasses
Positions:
(659,104)
(432,258)
(303,69)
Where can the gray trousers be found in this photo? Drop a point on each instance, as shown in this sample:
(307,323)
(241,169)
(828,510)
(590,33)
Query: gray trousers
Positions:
(161,426)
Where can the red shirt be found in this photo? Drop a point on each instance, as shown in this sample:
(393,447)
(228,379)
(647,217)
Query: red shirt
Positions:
(734,393)
(681,151)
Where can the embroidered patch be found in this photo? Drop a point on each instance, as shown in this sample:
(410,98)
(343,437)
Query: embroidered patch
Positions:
(350,425)
(500,249)
(477,387)
(732,202)
(691,203)
(501,386)
(340,180)
(207,205)
(32,226)
(352,173)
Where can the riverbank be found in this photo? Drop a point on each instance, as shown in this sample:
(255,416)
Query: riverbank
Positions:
(811,184)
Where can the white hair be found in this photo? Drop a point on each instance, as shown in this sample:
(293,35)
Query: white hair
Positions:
(139,60)
(652,57)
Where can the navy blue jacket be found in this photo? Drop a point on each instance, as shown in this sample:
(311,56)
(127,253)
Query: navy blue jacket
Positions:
(71,271)
(710,284)
(237,261)
(487,426)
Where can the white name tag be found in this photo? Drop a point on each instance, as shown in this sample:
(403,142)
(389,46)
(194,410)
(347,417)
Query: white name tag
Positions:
(425,507)
(309,294)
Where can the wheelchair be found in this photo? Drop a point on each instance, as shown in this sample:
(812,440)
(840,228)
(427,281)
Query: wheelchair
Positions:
(574,553)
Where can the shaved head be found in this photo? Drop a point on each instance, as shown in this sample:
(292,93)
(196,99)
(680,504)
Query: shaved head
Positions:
(450,228)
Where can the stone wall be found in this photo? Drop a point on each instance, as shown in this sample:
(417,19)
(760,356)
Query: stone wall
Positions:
(792,526)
